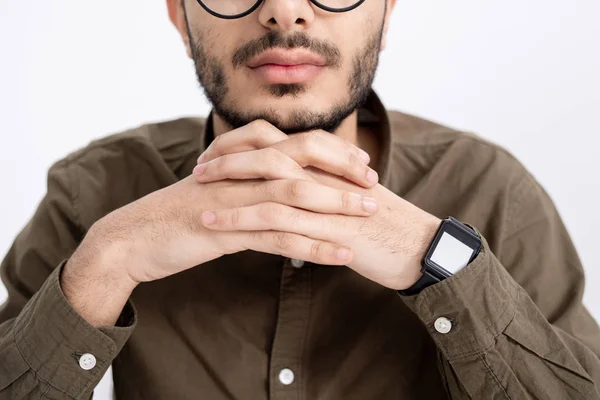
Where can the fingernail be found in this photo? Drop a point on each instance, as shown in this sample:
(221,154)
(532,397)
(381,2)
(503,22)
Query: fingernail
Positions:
(342,254)
(201,158)
(199,169)
(364,156)
(209,217)
(372,176)
(369,204)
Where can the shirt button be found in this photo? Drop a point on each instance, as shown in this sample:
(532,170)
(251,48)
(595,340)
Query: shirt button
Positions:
(297,263)
(443,325)
(286,376)
(87,361)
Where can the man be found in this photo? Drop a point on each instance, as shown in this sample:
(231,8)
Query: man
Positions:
(294,245)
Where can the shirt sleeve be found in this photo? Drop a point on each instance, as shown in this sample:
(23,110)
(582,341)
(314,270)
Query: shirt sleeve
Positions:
(47,350)
(512,324)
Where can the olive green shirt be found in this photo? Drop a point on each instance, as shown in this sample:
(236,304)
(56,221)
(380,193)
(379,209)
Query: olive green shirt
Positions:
(259,326)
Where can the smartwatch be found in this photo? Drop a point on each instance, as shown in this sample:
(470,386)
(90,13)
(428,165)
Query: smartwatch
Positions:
(453,247)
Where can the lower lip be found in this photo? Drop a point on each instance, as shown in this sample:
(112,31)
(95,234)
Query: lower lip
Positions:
(275,73)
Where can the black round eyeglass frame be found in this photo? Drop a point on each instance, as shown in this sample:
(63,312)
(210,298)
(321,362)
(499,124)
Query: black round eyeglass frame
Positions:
(258,2)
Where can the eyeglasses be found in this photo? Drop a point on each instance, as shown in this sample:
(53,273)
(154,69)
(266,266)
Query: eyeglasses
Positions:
(232,9)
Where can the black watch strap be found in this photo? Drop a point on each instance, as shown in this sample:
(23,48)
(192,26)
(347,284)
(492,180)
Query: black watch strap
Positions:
(465,235)
(425,280)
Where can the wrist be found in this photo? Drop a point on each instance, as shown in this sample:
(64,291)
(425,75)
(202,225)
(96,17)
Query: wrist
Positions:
(423,238)
(453,246)
(95,283)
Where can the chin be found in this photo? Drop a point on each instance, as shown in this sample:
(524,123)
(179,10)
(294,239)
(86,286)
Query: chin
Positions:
(286,100)
(290,112)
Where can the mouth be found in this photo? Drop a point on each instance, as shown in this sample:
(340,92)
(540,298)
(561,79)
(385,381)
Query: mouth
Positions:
(279,66)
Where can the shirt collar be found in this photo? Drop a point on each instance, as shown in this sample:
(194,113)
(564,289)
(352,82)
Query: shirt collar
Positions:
(373,114)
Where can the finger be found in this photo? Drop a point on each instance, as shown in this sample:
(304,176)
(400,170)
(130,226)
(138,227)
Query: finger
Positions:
(265,163)
(299,247)
(256,135)
(276,217)
(336,140)
(342,158)
(312,196)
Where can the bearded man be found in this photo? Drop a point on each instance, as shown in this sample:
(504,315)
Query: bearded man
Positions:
(301,242)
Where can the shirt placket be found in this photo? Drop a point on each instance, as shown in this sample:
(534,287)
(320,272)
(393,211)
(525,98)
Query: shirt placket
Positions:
(285,367)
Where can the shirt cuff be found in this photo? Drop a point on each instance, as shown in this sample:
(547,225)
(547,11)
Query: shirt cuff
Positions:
(466,312)
(52,337)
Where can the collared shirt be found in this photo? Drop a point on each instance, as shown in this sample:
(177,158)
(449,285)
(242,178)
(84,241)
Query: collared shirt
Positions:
(260,326)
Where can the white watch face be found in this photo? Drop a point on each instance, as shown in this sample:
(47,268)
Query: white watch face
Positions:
(451,254)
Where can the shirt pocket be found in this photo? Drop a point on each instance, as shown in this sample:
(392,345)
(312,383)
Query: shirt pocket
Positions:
(539,360)
(12,365)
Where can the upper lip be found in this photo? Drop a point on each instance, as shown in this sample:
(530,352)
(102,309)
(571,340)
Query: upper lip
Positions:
(286,57)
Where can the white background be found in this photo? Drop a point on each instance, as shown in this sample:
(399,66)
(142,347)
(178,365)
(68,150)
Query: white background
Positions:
(524,74)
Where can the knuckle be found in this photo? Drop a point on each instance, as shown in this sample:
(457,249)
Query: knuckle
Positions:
(354,162)
(348,200)
(216,152)
(220,163)
(355,167)
(216,142)
(260,125)
(283,240)
(235,217)
(309,141)
(268,189)
(296,190)
(317,250)
(265,129)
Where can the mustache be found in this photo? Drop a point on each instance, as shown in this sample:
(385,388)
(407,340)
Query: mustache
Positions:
(271,40)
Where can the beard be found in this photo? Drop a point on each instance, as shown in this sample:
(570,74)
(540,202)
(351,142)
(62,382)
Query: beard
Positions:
(212,79)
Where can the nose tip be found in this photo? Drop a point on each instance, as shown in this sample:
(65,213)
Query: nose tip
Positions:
(286,15)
